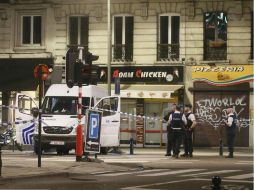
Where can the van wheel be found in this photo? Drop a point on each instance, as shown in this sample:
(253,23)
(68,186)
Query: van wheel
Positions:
(104,150)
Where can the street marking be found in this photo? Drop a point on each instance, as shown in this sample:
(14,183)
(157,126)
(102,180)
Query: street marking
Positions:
(179,181)
(125,161)
(243,176)
(244,162)
(154,184)
(211,172)
(224,180)
(111,171)
(175,162)
(128,173)
(171,172)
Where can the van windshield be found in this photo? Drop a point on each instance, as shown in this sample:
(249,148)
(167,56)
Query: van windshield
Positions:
(63,105)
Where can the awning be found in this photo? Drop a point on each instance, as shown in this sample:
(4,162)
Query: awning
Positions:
(145,91)
(16,74)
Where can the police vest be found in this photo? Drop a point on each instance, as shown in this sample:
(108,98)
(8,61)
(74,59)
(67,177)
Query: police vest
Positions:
(176,122)
(234,123)
(189,122)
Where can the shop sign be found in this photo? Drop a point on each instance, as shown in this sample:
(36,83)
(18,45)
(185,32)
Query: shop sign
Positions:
(144,74)
(223,75)
(140,122)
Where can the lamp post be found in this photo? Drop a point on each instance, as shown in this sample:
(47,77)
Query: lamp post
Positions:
(109,48)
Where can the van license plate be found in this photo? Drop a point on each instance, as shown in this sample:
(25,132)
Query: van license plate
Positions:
(57,142)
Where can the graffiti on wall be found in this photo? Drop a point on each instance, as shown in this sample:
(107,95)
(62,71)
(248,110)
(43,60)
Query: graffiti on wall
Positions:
(212,110)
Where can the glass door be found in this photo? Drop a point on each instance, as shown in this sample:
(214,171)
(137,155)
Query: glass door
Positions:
(153,125)
(128,122)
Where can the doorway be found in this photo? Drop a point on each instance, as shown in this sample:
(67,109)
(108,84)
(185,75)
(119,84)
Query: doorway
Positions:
(153,124)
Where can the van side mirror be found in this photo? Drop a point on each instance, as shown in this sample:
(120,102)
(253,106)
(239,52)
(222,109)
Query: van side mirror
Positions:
(35,112)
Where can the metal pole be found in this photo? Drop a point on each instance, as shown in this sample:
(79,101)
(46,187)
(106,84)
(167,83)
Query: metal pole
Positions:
(1,163)
(40,100)
(109,48)
(79,137)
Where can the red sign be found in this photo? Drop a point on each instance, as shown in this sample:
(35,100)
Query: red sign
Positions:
(44,71)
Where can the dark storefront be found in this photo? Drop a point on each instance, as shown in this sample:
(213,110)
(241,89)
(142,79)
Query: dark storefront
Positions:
(148,91)
(211,100)
(17,74)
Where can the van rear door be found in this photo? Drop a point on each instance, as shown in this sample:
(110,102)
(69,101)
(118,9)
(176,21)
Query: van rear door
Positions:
(110,123)
(23,118)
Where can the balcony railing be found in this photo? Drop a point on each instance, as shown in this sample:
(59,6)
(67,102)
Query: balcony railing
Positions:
(122,53)
(215,50)
(168,52)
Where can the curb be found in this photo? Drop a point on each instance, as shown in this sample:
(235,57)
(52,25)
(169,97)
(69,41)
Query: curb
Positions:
(33,176)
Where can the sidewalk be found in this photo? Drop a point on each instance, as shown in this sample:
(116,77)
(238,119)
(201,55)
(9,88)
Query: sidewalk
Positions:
(20,165)
(213,151)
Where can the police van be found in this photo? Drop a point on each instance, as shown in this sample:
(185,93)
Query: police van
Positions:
(59,118)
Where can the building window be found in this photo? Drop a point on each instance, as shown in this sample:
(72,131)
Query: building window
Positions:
(168,46)
(78,31)
(31,30)
(122,47)
(215,36)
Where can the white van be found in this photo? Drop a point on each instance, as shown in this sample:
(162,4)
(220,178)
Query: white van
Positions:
(59,118)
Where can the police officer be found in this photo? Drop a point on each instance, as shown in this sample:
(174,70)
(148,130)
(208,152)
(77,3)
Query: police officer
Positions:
(169,131)
(231,125)
(189,128)
(177,120)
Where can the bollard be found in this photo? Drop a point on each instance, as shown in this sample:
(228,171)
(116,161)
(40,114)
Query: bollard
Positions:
(1,163)
(221,147)
(131,146)
(216,182)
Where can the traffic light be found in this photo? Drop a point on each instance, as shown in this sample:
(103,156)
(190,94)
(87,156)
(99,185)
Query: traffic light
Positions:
(90,74)
(90,71)
(71,58)
(89,58)
(79,72)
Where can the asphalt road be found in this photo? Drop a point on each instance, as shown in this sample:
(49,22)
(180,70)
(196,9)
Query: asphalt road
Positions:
(159,172)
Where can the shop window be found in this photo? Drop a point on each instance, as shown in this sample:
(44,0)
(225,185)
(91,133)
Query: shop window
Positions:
(78,31)
(122,47)
(215,36)
(168,46)
(31,30)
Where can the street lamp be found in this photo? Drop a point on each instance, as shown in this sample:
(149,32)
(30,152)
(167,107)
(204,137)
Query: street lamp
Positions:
(109,47)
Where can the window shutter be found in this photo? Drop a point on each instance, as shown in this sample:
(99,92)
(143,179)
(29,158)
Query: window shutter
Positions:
(129,30)
(37,30)
(164,30)
(73,28)
(84,31)
(175,29)
(118,28)
(26,30)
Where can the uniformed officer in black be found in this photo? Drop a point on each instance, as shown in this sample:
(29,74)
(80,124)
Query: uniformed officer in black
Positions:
(231,125)
(169,131)
(177,120)
(189,128)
